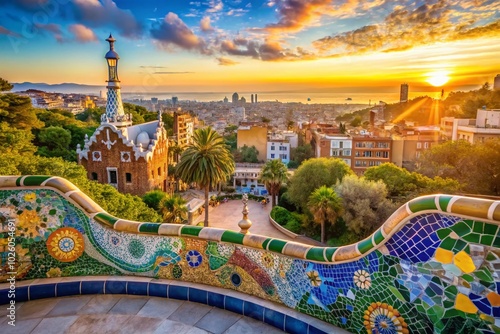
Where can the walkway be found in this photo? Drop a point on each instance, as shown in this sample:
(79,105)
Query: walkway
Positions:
(126,314)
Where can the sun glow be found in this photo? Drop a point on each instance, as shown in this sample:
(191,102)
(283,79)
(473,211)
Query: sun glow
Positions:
(438,78)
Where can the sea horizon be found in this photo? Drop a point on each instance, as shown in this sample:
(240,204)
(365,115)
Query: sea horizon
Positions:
(283,97)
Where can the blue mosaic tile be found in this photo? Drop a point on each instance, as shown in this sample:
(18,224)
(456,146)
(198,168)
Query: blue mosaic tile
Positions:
(233,304)
(158,290)
(67,289)
(92,287)
(42,291)
(137,288)
(274,318)
(295,326)
(253,310)
(198,296)
(215,299)
(115,287)
(177,292)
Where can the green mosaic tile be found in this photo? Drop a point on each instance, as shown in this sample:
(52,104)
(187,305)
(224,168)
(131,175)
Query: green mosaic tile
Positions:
(484,275)
(496,243)
(191,230)
(315,254)
(149,228)
(448,243)
(451,292)
(277,245)
(365,245)
(487,240)
(478,227)
(490,229)
(443,202)
(443,233)
(468,278)
(459,245)
(231,236)
(472,237)
(378,237)
(35,180)
(461,228)
(422,204)
(329,253)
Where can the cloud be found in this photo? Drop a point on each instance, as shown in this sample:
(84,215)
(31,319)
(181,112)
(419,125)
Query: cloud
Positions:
(5,31)
(406,28)
(101,13)
(82,33)
(236,12)
(205,24)
(53,28)
(296,14)
(267,51)
(173,31)
(226,61)
(215,6)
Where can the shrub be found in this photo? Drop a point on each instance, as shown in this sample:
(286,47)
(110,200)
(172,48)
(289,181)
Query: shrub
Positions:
(281,215)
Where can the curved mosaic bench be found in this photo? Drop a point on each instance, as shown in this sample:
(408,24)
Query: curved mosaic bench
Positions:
(433,266)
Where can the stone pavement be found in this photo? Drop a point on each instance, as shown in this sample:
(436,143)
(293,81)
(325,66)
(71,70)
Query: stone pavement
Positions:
(126,314)
(227,215)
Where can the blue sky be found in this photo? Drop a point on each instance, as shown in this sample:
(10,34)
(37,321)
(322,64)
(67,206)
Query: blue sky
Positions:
(204,45)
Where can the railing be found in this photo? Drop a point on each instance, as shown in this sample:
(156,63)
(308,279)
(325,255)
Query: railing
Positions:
(433,266)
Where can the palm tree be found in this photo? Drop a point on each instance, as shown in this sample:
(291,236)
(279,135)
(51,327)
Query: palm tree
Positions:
(206,161)
(273,175)
(173,209)
(326,206)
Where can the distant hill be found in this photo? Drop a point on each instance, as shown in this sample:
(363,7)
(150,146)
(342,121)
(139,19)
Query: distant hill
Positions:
(59,88)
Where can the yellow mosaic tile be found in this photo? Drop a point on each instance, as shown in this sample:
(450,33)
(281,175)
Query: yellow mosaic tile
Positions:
(444,256)
(463,261)
(463,303)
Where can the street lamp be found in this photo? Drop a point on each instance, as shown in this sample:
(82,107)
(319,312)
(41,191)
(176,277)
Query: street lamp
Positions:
(112,59)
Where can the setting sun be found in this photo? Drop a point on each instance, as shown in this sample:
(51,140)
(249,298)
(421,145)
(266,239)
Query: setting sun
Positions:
(438,78)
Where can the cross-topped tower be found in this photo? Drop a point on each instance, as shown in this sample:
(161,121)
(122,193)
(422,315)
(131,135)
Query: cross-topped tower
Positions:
(114,106)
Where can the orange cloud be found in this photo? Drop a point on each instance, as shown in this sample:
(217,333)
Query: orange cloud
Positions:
(404,29)
(82,33)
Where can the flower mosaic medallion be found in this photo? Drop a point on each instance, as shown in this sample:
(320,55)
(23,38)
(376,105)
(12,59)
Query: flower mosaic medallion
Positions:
(314,278)
(362,279)
(194,258)
(136,249)
(65,244)
(382,318)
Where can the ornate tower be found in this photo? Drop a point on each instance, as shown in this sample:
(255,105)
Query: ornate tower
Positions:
(114,106)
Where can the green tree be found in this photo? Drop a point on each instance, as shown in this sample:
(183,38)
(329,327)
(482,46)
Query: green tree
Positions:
(311,175)
(365,204)
(273,174)
(55,141)
(207,161)
(326,206)
(247,154)
(301,153)
(399,181)
(17,111)
(173,209)
(459,159)
(153,199)
(15,141)
(5,85)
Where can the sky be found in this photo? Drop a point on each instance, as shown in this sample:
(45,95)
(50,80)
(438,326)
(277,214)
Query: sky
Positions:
(247,45)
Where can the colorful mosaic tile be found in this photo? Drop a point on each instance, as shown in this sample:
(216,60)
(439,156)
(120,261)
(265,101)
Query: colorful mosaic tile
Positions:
(434,272)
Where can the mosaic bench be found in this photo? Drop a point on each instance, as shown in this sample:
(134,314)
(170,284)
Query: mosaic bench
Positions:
(431,268)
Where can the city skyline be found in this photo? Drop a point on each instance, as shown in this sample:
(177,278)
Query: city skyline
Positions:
(253,45)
